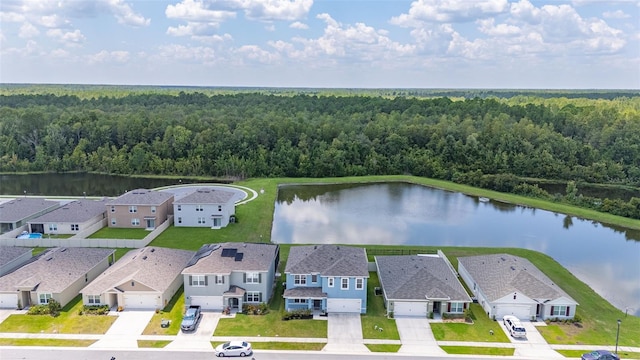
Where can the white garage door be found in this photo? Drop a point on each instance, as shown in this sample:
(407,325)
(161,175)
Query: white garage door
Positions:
(207,302)
(136,301)
(9,301)
(404,308)
(522,312)
(343,305)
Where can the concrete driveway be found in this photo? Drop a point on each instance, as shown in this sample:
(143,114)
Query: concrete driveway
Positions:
(533,345)
(125,330)
(416,337)
(344,333)
(199,339)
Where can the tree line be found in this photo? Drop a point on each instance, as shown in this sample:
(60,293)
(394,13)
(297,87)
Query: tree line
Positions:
(486,142)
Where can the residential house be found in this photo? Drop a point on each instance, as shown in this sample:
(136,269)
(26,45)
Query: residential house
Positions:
(420,285)
(12,257)
(71,218)
(139,208)
(145,278)
(205,207)
(230,275)
(57,273)
(330,278)
(15,213)
(511,285)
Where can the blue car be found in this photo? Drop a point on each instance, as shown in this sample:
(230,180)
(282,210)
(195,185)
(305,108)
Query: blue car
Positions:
(600,355)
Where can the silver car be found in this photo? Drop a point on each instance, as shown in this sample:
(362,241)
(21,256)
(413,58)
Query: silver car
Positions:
(234,348)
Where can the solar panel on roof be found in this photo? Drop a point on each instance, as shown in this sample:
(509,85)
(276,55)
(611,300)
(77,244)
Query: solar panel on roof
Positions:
(239,256)
(229,252)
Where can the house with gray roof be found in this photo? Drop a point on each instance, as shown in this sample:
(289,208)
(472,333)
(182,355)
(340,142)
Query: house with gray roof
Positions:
(12,257)
(228,275)
(329,278)
(57,273)
(205,207)
(141,208)
(70,218)
(511,285)
(145,278)
(417,285)
(16,212)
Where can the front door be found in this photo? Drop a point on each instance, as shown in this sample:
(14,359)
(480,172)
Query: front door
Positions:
(317,304)
(436,307)
(151,223)
(234,303)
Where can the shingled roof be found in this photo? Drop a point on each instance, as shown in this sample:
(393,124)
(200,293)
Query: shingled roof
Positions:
(154,267)
(20,208)
(224,258)
(327,260)
(419,278)
(10,253)
(206,196)
(142,197)
(77,210)
(499,275)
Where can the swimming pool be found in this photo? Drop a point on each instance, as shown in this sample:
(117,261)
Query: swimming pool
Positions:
(27,235)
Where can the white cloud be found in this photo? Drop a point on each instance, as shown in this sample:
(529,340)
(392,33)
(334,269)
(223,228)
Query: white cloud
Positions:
(449,11)
(618,14)
(192,54)
(69,37)
(104,56)
(27,30)
(60,53)
(125,14)
(489,27)
(270,27)
(197,11)
(299,25)
(271,10)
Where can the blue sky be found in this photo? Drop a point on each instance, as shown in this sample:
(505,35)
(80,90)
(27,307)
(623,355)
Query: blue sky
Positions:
(323,43)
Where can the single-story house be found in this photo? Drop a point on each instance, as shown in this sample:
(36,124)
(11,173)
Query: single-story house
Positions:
(139,208)
(329,278)
(511,285)
(57,273)
(15,213)
(417,285)
(145,278)
(12,257)
(205,207)
(231,274)
(71,218)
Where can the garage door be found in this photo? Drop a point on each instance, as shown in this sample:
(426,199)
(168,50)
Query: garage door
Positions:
(9,301)
(343,305)
(207,302)
(136,301)
(522,312)
(404,308)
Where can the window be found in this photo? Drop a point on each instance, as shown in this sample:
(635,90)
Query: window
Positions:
(299,301)
(133,209)
(113,221)
(330,282)
(179,207)
(219,279)
(457,307)
(135,222)
(44,298)
(179,220)
(359,283)
(201,220)
(153,209)
(53,227)
(199,208)
(219,207)
(93,299)
(252,278)
(113,209)
(253,296)
(300,279)
(217,222)
(198,280)
(559,310)
(314,278)
(344,284)
(75,227)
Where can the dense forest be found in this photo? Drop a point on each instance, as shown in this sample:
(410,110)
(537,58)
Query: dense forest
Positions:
(489,142)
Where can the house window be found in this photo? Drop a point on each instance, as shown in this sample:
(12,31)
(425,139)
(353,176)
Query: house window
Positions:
(43,299)
(253,296)
(219,279)
(457,307)
(179,220)
(300,279)
(113,209)
(133,209)
(198,280)
(113,221)
(252,278)
(199,208)
(314,278)
(299,301)
(75,227)
(217,222)
(201,220)
(330,282)
(359,283)
(219,207)
(153,209)
(93,299)
(135,222)
(53,227)
(344,283)
(179,207)
(559,310)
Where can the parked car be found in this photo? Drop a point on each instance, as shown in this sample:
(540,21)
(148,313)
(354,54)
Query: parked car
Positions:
(191,318)
(513,326)
(234,348)
(600,355)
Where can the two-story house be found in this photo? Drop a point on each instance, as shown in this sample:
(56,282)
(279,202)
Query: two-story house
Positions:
(330,278)
(231,274)
(205,207)
(139,208)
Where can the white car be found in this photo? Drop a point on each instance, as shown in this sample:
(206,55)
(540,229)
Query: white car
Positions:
(234,348)
(514,327)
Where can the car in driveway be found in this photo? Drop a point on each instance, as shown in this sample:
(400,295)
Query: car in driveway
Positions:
(600,355)
(191,318)
(514,327)
(234,348)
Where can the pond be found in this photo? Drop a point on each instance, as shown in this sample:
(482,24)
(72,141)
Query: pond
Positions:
(606,258)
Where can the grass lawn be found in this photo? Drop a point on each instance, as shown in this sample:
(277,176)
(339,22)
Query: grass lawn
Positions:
(376,315)
(119,233)
(390,348)
(284,346)
(45,342)
(153,343)
(173,311)
(478,331)
(68,322)
(578,353)
(478,350)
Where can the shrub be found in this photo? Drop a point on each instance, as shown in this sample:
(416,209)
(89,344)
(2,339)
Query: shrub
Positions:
(95,309)
(255,309)
(298,314)
(54,307)
(38,310)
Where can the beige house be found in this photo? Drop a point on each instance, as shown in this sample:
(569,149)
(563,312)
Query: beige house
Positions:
(57,273)
(16,212)
(141,208)
(71,218)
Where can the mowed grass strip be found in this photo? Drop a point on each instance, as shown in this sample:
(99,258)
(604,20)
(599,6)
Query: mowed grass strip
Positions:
(376,316)
(68,322)
(480,330)
(157,344)
(276,345)
(578,353)
(389,348)
(119,233)
(46,342)
(478,350)
(270,325)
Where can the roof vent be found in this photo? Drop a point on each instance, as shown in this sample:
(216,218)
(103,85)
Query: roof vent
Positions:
(144,257)
(153,249)
(63,250)
(513,268)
